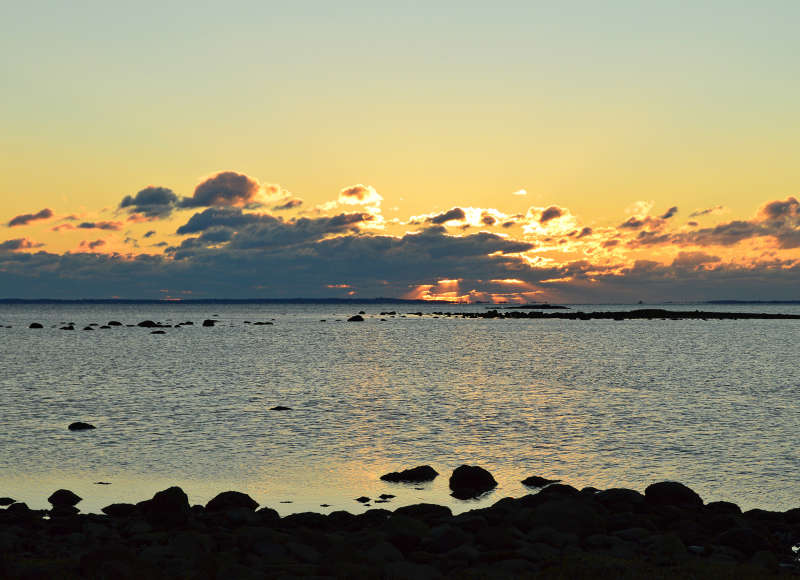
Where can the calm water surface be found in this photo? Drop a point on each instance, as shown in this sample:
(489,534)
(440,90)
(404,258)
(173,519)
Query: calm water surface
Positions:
(712,404)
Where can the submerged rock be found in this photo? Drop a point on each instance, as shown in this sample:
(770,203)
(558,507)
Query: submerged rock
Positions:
(414,475)
(537,481)
(114,323)
(469,481)
(80,426)
(63,497)
(158,332)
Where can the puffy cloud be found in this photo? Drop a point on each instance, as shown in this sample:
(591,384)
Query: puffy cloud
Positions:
(780,210)
(26,218)
(550,213)
(360,195)
(226,188)
(18,244)
(151,202)
(455,214)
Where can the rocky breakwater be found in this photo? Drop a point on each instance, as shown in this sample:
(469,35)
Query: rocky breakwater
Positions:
(559,532)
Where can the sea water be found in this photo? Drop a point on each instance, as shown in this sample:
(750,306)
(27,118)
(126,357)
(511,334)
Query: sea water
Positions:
(603,403)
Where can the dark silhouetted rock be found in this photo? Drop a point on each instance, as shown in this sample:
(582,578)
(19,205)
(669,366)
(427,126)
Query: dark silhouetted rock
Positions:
(120,510)
(672,493)
(67,328)
(427,512)
(88,328)
(63,497)
(60,511)
(230,500)
(414,475)
(356,318)
(536,481)
(80,426)
(724,507)
(746,540)
(114,323)
(361,312)
(362,499)
(158,332)
(280,408)
(104,327)
(148,324)
(468,481)
(169,507)
(262,324)
(6,501)
(209,322)
(35,325)
(385,496)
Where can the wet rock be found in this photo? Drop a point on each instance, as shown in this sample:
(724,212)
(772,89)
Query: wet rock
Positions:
(386,496)
(114,323)
(104,327)
(356,318)
(88,328)
(67,328)
(35,325)
(280,408)
(468,481)
(147,324)
(6,501)
(63,497)
(672,493)
(209,322)
(230,500)
(536,481)
(362,499)
(620,499)
(723,507)
(80,426)
(120,510)
(414,475)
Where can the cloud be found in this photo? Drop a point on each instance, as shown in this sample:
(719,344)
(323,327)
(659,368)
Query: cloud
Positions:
(149,234)
(707,211)
(26,218)
(694,259)
(113,226)
(85,244)
(669,213)
(291,203)
(550,213)
(230,217)
(18,244)
(360,195)
(225,189)
(520,192)
(778,210)
(455,214)
(151,202)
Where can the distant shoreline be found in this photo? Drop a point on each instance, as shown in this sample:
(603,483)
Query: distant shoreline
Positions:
(353,301)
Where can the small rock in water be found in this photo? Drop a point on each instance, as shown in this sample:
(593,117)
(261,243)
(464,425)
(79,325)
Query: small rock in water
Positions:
(536,481)
(148,324)
(469,481)
(362,499)
(114,323)
(67,328)
(280,408)
(414,475)
(209,322)
(324,505)
(80,426)
(120,510)
(356,318)
(63,497)
(287,501)
(158,332)
(102,483)
(385,496)
(104,327)
(35,325)
(6,501)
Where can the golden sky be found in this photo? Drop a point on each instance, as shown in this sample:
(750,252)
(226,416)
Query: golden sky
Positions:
(521,150)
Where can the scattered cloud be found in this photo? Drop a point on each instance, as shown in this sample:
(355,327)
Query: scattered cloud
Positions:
(151,202)
(18,244)
(225,189)
(707,211)
(26,218)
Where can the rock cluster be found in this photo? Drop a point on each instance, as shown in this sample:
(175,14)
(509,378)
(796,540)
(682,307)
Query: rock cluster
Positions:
(559,532)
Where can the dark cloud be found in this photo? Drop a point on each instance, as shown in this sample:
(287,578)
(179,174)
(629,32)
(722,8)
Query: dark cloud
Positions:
(693,259)
(26,218)
(669,213)
(92,245)
(550,213)
(151,202)
(451,215)
(587,231)
(150,234)
(780,210)
(18,244)
(488,219)
(225,189)
(706,211)
(230,217)
(113,226)
(289,204)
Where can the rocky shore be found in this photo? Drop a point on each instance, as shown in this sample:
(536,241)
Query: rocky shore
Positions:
(556,532)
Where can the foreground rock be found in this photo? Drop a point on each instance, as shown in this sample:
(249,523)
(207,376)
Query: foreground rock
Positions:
(417,474)
(559,532)
(537,481)
(469,481)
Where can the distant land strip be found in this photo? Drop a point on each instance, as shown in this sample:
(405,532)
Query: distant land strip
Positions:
(639,314)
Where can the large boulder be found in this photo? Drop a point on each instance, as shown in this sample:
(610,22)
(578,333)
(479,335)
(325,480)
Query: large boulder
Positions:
(169,507)
(63,497)
(672,493)
(228,500)
(469,481)
(417,474)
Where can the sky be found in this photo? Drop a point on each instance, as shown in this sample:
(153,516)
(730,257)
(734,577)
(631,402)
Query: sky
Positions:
(577,151)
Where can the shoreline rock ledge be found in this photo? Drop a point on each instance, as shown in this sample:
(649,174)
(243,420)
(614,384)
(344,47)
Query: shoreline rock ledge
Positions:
(419,474)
